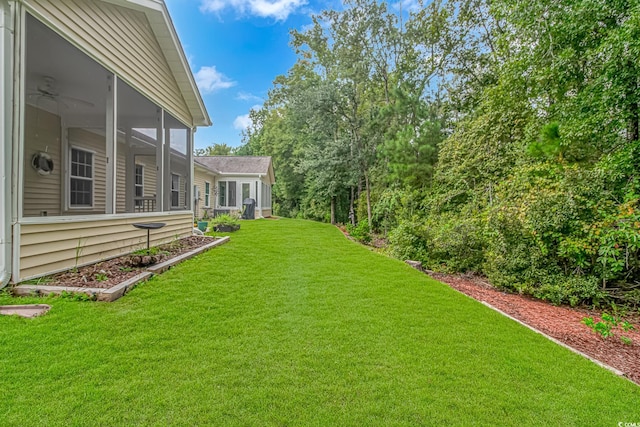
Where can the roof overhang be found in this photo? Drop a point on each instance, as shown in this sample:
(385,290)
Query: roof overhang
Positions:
(204,167)
(162,26)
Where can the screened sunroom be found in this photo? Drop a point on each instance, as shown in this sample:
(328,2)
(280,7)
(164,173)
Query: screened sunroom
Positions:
(92,144)
(104,133)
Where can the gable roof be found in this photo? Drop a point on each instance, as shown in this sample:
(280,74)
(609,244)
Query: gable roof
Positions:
(162,26)
(240,165)
(123,34)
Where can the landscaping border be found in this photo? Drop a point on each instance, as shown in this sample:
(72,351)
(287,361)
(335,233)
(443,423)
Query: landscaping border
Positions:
(119,290)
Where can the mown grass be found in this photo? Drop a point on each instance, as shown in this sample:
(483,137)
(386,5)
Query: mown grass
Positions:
(292,324)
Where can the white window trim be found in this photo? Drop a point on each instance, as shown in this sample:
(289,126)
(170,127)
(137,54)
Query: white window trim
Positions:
(207,195)
(235,184)
(171,205)
(68,177)
(226,194)
(135,185)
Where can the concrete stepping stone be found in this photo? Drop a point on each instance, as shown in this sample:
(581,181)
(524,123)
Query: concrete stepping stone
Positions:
(31,310)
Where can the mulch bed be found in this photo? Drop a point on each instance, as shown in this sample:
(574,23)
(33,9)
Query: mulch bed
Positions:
(106,274)
(560,322)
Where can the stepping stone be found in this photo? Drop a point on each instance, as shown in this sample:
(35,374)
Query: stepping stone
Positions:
(31,310)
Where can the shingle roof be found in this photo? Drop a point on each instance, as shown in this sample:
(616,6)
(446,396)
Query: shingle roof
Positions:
(236,164)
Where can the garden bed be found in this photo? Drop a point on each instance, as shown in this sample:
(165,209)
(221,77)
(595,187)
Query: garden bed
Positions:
(110,279)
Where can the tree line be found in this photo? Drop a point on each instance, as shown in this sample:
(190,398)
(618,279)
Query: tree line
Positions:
(490,136)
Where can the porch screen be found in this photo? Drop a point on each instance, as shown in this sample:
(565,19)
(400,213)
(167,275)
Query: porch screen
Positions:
(65,111)
(138,165)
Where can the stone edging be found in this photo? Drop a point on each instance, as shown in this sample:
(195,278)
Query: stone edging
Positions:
(117,291)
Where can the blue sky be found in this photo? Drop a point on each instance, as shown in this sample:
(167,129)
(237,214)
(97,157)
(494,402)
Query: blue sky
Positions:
(236,48)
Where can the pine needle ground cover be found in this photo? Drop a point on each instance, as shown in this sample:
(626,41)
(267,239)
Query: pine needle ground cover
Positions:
(292,324)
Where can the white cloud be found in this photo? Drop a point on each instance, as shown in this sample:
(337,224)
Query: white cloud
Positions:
(246,96)
(277,9)
(210,80)
(244,121)
(407,6)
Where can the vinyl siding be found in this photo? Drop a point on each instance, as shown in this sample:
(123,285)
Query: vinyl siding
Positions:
(52,247)
(149,179)
(199,179)
(42,193)
(122,40)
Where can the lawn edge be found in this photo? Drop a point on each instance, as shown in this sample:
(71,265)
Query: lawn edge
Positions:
(560,343)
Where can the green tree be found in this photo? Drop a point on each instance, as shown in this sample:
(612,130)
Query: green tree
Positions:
(215,150)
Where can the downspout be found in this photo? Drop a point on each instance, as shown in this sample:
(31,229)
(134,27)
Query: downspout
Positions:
(6,123)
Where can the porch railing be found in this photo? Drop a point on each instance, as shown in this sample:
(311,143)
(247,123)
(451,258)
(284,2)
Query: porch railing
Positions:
(144,204)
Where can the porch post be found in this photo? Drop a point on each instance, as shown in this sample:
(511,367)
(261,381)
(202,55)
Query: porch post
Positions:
(259,196)
(160,162)
(166,173)
(190,202)
(130,171)
(112,146)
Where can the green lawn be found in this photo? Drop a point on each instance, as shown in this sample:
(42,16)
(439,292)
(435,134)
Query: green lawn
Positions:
(292,324)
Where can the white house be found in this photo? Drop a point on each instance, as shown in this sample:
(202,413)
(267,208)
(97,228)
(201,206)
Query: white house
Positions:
(98,112)
(234,179)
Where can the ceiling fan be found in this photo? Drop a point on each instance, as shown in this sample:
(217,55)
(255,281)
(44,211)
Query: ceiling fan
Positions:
(47,89)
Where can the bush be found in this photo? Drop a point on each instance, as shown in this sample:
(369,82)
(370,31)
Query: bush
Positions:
(573,290)
(360,232)
(225,219)
(407,242)
(456,243)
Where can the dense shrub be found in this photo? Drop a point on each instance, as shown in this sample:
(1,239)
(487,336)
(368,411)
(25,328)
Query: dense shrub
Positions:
(442,243)
(360,232)
(407,241)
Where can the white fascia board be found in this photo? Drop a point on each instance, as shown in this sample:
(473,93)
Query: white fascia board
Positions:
(141,5)
(232,174)
(205,169)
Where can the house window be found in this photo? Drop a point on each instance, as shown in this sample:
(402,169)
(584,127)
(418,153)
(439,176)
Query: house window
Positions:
(222,193)
(207,194)
(175,190)
(81,179)
(246,191)
(232,193)
(139,187)
(227,191)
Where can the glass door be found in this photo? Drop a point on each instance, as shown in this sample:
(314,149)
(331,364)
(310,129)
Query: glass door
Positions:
(246,190)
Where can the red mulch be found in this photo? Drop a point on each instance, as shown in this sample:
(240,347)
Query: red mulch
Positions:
(562,323)
(109,273)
